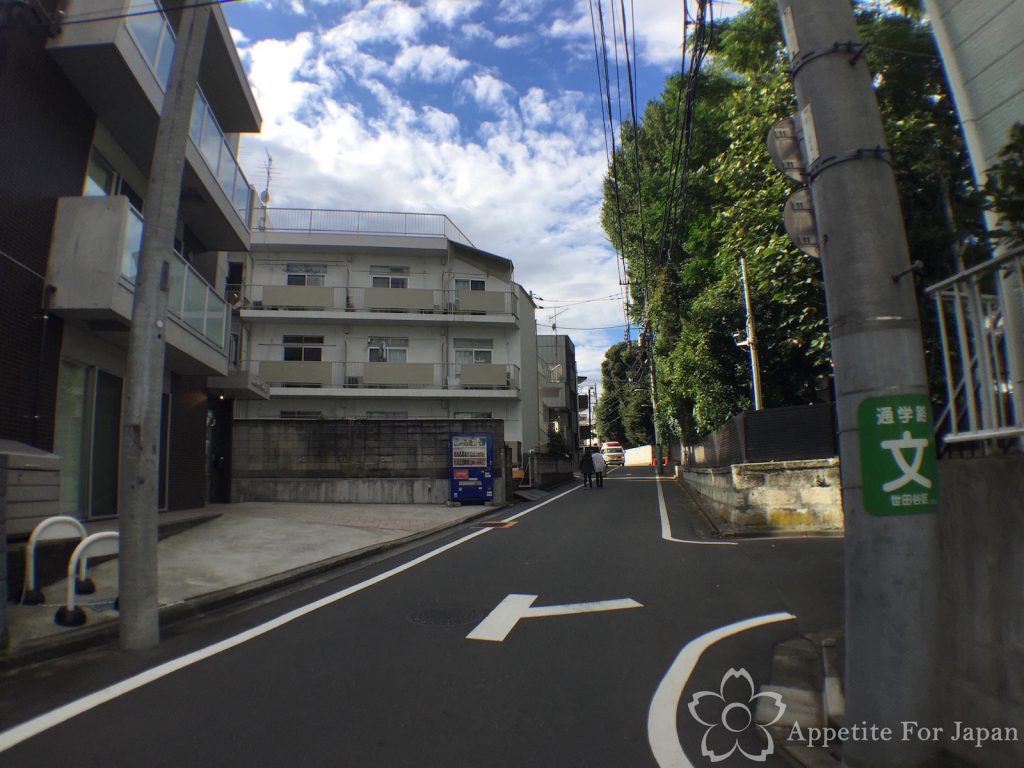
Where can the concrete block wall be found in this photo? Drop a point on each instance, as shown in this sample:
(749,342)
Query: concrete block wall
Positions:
(783,495)
(981,520)
(366,461)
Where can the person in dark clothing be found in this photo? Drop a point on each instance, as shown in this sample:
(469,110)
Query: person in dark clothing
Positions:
(587,467)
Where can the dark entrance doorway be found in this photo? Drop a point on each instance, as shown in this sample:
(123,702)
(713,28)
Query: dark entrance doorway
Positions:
(218,450)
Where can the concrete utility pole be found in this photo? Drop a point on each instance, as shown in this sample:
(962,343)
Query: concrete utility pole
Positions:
(140,434)
(892,555)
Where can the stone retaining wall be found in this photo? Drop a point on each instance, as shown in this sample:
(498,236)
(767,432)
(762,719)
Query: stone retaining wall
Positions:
(777,495)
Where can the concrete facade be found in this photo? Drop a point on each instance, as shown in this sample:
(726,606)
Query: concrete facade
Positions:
(982,537)
(393,462)
(80,111)
(556,358)
(783,495)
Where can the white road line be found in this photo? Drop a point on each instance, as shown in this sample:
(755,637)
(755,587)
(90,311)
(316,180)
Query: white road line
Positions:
(662,717)
(498,623)
(37,725)
(543,503)
(666,527)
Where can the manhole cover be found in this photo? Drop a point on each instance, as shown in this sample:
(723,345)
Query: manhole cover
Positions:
(445,617)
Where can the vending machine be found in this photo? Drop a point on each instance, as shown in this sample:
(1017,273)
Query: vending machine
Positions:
(471,473)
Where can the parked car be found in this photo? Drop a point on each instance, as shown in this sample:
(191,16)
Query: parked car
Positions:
(613,453)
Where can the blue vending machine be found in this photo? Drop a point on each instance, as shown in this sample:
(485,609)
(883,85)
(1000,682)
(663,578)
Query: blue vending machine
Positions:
(471,467)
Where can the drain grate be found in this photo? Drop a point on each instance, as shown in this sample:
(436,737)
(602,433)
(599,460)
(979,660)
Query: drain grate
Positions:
(445,617)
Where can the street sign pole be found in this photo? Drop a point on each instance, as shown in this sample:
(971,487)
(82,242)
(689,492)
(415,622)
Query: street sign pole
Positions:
(886,445)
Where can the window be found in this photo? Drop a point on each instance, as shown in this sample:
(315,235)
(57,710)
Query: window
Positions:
(308,348)
(466,284)
(388,349)
(387,414)
(472,414)
(470,351)
(305,274)
(389,277)
(101,180)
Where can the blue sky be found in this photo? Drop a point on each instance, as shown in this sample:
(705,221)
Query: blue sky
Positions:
(485,110)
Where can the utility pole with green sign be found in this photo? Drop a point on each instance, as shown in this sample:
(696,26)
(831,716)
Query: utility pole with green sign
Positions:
(890,488)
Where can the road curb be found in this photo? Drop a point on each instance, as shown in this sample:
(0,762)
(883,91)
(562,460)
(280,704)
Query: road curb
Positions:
(90,636)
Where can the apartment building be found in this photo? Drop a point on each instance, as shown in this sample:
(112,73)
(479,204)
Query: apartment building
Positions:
(349,315)
(80,101)
(559,403)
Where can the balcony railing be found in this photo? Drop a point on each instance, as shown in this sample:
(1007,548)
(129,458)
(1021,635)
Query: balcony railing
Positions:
(312,221)
(209,138)
(190,299)
(379,375)
(981,401)
(155,39)
(433,301)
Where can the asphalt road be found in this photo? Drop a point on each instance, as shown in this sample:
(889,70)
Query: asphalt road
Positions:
(425,657)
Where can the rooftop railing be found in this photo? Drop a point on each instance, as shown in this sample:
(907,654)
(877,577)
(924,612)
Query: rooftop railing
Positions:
(311,221)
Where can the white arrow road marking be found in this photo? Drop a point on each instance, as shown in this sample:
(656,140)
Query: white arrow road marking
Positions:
(662,730)
(509,611)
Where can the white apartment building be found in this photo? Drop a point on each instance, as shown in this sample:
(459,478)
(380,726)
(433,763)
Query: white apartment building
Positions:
(357,315)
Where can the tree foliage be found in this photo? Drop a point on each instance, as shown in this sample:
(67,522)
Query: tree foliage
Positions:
(623,412)
(683,259)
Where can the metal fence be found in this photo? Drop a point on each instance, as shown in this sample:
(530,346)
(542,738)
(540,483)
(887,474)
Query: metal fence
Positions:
(975,311)
(791,433)
(359,222)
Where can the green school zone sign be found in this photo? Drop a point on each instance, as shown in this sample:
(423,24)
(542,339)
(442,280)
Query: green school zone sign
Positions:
(898,469)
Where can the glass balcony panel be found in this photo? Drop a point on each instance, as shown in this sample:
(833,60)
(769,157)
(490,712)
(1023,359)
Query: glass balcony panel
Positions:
(146,27)
(227,172)
(162,66)
(132,245)
(198,113)
(241,196)
(212,141)
(195,301)
(176,292)
(216,318)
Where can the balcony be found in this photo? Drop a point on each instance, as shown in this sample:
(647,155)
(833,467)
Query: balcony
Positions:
(281,302)
(375,379)
(93,264)
(121,66)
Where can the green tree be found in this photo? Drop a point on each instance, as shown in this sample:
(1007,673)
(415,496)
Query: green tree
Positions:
(682,258)
(623,412)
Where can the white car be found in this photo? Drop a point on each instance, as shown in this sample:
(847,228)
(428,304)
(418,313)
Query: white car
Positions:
(613,454)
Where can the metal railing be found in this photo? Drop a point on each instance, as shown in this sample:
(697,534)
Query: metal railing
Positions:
(191,300)
(416,301)
(359,222)
(981,402)
(314,375)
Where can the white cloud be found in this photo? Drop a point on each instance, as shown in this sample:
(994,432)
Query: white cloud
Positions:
(526,185)
(430,63)
(448,12)
(489,92)
(506,42)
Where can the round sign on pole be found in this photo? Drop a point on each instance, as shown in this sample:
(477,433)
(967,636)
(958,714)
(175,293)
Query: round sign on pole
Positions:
(800,222)
(784,149)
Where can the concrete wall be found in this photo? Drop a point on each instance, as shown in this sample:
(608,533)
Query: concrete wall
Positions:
(367,461)
(784,495)
(982,538)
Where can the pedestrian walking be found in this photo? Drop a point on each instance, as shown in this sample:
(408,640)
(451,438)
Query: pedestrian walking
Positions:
(599,467)
(587,467)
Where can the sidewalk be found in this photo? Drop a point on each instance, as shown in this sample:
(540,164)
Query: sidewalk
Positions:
(232,551)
